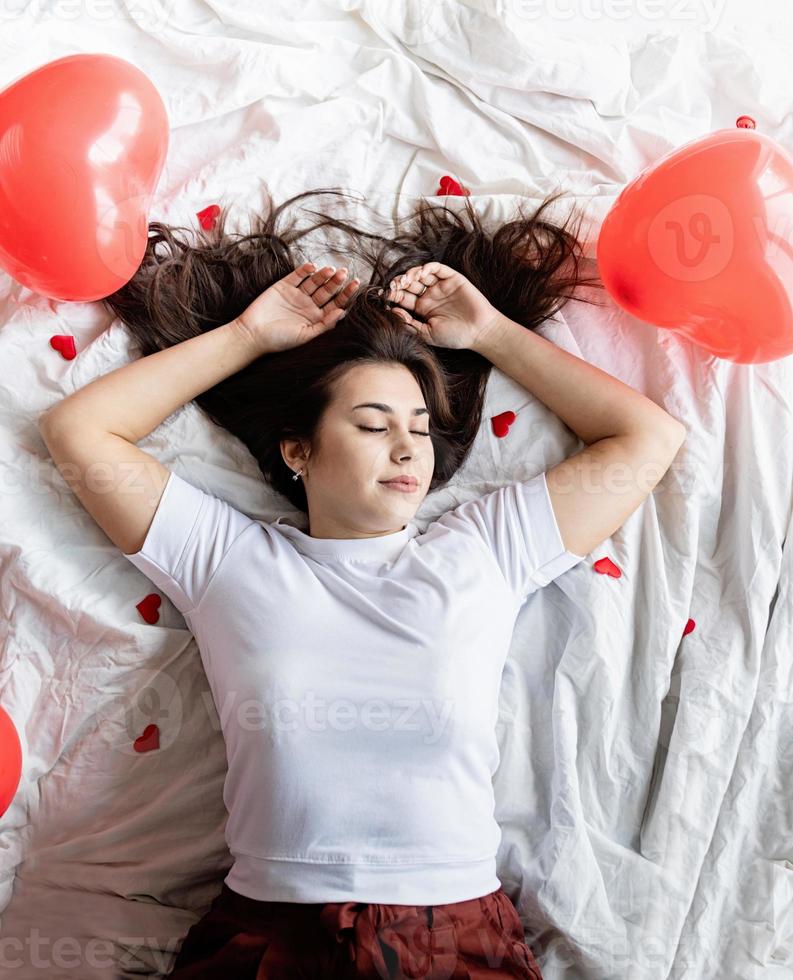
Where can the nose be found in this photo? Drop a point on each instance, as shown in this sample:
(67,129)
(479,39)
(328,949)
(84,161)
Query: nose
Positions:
(404,446)
(402,449)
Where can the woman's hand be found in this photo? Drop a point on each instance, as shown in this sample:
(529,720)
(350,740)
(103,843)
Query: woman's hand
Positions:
(297,308)
(456,314)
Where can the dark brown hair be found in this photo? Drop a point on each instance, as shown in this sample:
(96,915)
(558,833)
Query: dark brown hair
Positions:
(521,268)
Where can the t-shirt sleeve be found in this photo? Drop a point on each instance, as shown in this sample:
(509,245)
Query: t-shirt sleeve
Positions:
(189,536)
(517,524)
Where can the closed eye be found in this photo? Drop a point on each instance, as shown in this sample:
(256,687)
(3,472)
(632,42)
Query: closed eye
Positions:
(366,429)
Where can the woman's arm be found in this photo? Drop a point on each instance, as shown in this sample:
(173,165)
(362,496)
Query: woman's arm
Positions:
(91,435)
(594,404)
(631,441)
(133,400)
(456,314)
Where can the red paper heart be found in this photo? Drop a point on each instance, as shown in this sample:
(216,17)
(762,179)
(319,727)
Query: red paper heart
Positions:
(689,627)
(150,739)
(207,216)
(502,422)
(148,607)
(449,185)
(64,344)
(605,566)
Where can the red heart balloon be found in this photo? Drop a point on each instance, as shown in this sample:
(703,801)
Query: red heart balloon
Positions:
(10,761)
(83,141)
(698,243)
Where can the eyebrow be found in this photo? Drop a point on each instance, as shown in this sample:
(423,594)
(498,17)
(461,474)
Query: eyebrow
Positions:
(388,409)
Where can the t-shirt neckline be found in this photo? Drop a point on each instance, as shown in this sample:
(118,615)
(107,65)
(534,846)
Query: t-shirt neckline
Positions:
(383,547)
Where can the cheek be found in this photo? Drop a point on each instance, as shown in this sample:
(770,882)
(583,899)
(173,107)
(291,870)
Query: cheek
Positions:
(352,458)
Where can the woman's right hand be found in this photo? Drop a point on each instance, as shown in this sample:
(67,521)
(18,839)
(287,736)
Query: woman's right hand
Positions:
(296,308)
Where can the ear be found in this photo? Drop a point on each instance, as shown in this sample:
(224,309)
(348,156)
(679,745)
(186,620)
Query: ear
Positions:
(293,453)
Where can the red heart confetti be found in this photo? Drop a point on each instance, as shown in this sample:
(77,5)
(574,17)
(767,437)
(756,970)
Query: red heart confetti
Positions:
(605,566)
(690,625)
(148,607)
(64,343)
(149,740)
(207,216)
(502,422)
(449,185)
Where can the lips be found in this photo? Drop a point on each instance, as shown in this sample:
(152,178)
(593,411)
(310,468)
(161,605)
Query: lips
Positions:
(406,481)
(399,486)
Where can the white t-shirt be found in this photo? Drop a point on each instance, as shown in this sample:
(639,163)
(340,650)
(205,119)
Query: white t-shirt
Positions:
(357,685)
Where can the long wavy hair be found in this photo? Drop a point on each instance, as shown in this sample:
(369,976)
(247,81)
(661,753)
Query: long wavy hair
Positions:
(527,268)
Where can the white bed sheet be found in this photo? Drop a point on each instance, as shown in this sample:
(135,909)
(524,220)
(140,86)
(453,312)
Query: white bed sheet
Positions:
(645,782)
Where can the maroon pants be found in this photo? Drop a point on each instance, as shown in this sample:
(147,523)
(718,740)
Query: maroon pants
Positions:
(240,938)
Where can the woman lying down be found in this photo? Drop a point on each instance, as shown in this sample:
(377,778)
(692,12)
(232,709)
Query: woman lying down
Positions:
(361,818)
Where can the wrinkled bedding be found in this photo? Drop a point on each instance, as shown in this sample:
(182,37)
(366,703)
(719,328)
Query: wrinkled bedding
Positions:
(645,778)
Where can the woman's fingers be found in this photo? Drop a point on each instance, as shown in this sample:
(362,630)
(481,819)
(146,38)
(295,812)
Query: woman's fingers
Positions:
(414,280)
(329,293)
(430,273)
(409,289)
(343,297)
(298,275)
(323,283)
(308,278)
(337,303)
(437,269)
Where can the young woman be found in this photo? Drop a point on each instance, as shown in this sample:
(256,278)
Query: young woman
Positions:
(355,662)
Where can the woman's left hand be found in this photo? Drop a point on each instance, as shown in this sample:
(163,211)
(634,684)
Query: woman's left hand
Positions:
(454,311)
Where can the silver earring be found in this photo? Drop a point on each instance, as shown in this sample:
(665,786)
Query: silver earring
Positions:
(297,474)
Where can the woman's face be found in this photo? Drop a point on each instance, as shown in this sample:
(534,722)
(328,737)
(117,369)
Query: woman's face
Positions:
(344,472)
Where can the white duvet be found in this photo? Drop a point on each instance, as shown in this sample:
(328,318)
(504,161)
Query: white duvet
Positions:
(644,790)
